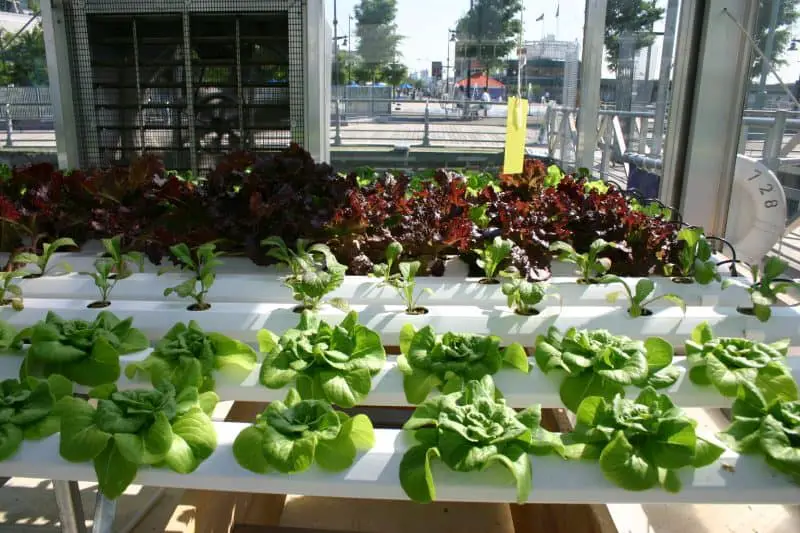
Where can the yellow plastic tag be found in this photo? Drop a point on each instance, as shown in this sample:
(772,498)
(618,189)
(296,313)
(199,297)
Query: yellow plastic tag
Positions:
(516,132)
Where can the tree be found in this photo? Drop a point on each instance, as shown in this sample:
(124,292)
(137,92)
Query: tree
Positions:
(377,33)
(394,74)
(489,32)
(788,14)
(629,16)
(23,61)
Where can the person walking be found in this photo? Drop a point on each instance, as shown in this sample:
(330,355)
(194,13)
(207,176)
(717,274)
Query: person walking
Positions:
(485,100)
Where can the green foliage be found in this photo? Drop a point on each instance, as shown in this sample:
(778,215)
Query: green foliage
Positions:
(42,261)
(324,362)
(766,286)
(290,436)
(632,17)
(597,363)
(493,255)
(315,272)
(187,356)
(27,410)
(10,291)
(135,428)
(522,295)
(103,278)
(768,425)
(445,362)
(694,258)
(727,363)
(640,296)
(121,261)
(469,431)
(590,265)
(788,15)
(404,281)
(84,352)
(489,32)
(377,35)
(202,265)
(651,209)
(639,443)
(9,338)
(24,63)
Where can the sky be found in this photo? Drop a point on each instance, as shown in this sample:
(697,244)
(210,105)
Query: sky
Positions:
(424,25)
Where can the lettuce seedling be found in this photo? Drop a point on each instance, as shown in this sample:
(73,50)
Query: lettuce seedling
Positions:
(404,282)
(202,266)
(641,296)
(639,443)
(445,362)
(767,425)
(324,362)
(492,256)
(590,266)
(104,280)
(291,435)
(315,272)
(27,410)
(121,261)
(694,258)
(84,352)
(767,285)
(522,295)
(726,362)
(597,363)
(42,261)
(469,431)
(134,428)
(187,356)
(10,291)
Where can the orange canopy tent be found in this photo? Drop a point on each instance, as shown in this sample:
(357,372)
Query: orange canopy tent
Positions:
(479,80)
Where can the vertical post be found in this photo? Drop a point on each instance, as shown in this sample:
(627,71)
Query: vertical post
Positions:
(768,48)
(591,73)
(670,27)
(772,146)
(104,511)
(426,135)
(70,508)
(9,126)
(337,139)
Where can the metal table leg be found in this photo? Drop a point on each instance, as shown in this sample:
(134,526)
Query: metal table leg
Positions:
(104,511)
(70,508)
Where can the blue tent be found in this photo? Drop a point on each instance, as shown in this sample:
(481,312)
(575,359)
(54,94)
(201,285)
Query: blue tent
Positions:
(406,86)
(352,84)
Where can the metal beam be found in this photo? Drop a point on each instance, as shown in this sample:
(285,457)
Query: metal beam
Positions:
(722,77)
(667,45)
(591,73)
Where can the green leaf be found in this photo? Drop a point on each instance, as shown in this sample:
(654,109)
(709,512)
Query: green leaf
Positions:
(129,446)
(49,425)
(10,440)
(659,353)
(59,386)
(418,385)
(666,377)
(193,441)
(644,287)
(706,452)
(574,389)
(286,455)
(762,312)
(415,474)
(702,333)
(81,440)
(776,383)
(517,462)
(346,389)
(275,378)
(158,437)
(624,467)
(699,375)
(337,454)
(407,333)
(101,367)
(721,376)
(361,431)
(774,267)
(247,449)
(671,482)
(514,355)
(114,472)
(673,445)
(267,341)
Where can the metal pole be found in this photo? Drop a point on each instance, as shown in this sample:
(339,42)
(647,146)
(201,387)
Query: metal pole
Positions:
(349,54)
(768,48)
(447,67)
(426,136)
(9,125)
(664,75)
(469,68)
(335,46)
(70,508)
(104,511)
(337,139)
(591,73)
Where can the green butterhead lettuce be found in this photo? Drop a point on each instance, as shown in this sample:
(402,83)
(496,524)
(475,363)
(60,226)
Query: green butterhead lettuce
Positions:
(84,352)
(290,436)
(768,425)
(446,362)
(134,428)
(323,362)
(187,357)
(639,443)
(597,363)
(469,431)
(27,410)
(726,363)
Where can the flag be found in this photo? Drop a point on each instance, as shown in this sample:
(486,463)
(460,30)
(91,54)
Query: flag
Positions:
(541,17)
